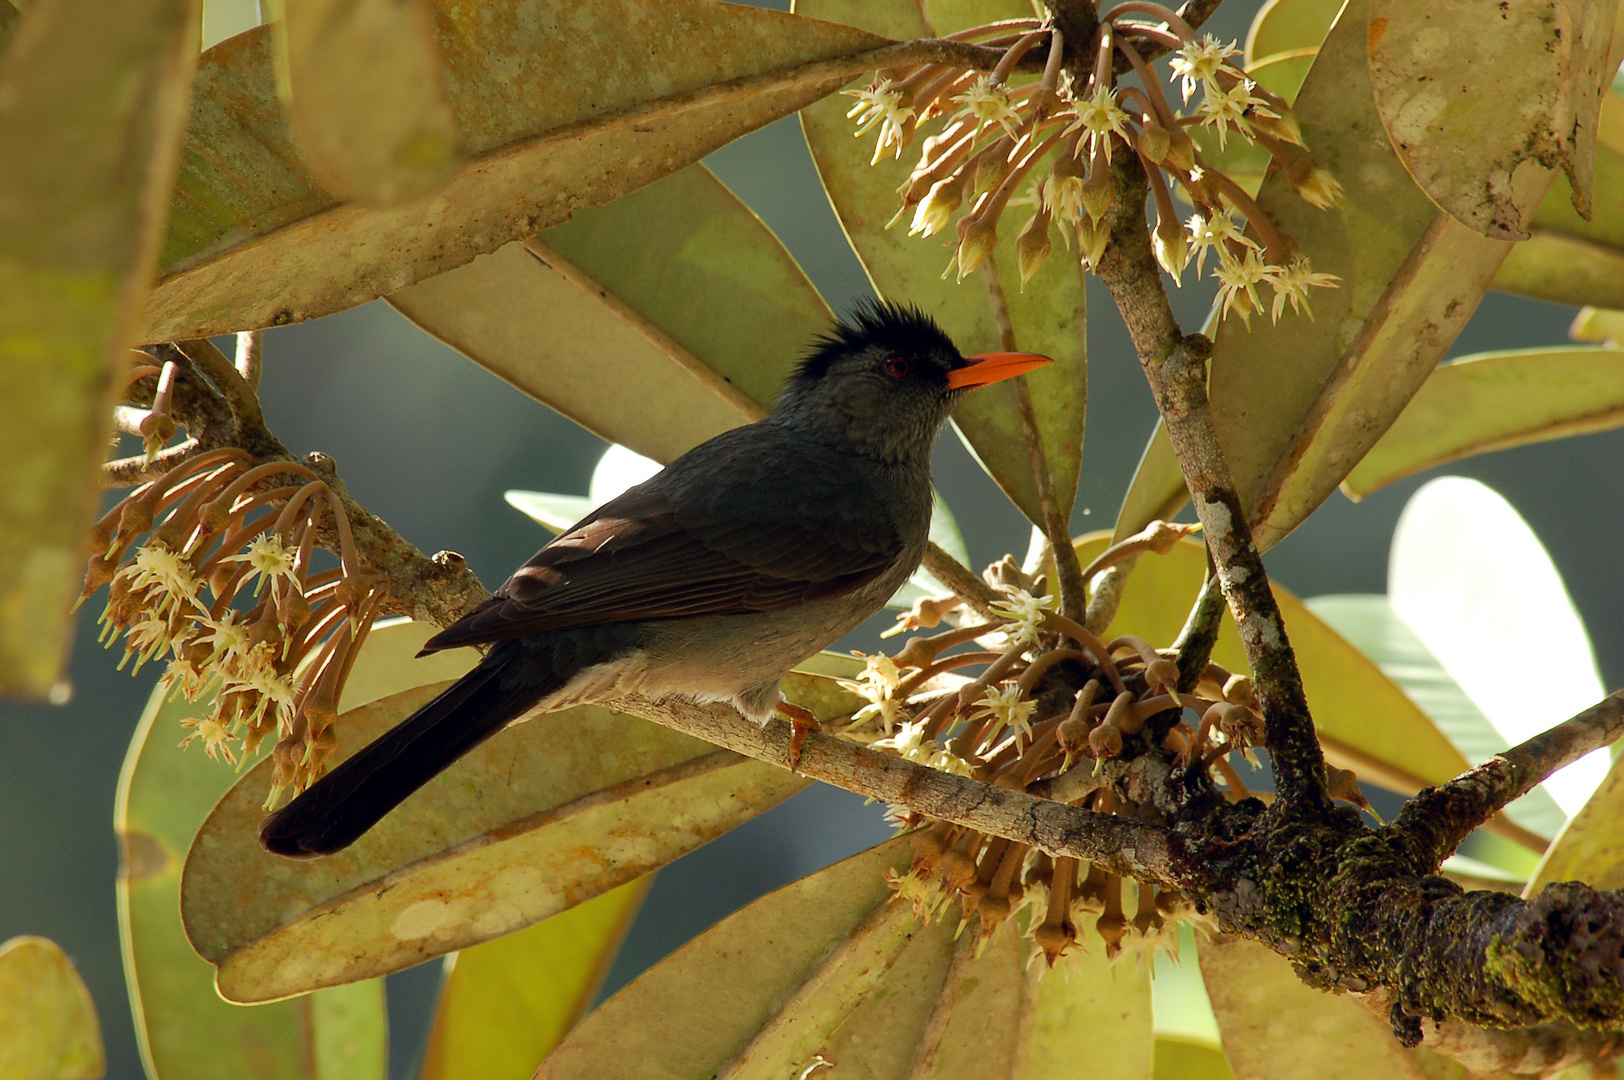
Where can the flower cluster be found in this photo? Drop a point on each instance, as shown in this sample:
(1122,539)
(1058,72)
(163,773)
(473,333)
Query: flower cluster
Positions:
(1058,136)
(223,590)
(1057,711)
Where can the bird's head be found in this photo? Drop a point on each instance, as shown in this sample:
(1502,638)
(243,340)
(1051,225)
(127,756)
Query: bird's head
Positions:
(886,377)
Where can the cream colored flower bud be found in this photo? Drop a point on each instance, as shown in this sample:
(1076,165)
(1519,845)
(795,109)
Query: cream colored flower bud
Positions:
(1097,194)
(1033,247)
(976,242)
(1091,239)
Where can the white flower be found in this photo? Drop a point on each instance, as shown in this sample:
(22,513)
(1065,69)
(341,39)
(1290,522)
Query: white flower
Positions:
(216,739)
(987,102)
(908,741)
(1101,117)
(1317,186)
(185,679)
(883,106)
(1198,63)
(1291,283)
(1238,280)
(167,573)
(1214,233)
(1011,707)
(936,209)
(268,557)
(877,685)
(1026,614)
(225,638)
(1228,109)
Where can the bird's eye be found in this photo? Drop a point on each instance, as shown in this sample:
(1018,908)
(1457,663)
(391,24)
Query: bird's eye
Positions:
(897,367)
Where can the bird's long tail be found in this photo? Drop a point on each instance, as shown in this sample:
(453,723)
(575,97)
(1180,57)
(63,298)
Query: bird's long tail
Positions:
(335,810)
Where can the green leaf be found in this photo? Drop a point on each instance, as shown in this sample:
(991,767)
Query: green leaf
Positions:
(1275,1027)
(1364,720)
(505,1004)
(1480,146)
(1600,326)
(48,1026)
(548,128)
(1568,259)
(1371,625)
(1493,401)
(763,988)
(546,814)
(831,969)
(95,98)
(1283,26)
(677,289)
(1188,1059)
(1283,73)
(1049,316)
(366,96)
(1564,270)
(185,1031)
(1410,277)
(1474,583)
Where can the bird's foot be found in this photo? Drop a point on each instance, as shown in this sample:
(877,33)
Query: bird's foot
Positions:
(801,723)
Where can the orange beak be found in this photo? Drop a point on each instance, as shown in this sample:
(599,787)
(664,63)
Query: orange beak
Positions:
(993,367)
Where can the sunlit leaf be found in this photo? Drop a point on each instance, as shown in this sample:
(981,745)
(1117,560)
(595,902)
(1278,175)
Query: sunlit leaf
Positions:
(1363,718)
(1601,326)
(1492,401)
(1410,277)
(546,814)
(551,511)
(1283,73)
(1478,143)
(506,1003)
(48,1026)
(185,1031)
(1180,997)
(763,988)
(1157,491)
(366,95)
(1049,316)
(830,969)
(677,289)
(548,128)
(1590,848)
(94,101)
(1371,624)
(1469,576)
(1275,1027)
(1087,1009)
(1288,25)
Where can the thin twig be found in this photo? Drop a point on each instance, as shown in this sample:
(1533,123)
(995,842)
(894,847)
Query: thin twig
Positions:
(1175,365)
(1442,817)
(960,581)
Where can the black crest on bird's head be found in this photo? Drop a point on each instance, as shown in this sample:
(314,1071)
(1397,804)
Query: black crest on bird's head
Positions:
(888,327)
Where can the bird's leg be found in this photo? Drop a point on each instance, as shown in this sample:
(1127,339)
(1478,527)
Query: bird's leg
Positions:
(802,723)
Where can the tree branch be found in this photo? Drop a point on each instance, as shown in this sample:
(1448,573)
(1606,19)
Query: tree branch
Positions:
(1442,817)
(1116,843)
(1176,367)
(960,580)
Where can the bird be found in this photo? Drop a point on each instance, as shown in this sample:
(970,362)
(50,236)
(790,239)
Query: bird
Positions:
(712,579)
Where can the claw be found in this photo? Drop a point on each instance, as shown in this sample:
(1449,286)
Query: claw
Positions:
(802,723)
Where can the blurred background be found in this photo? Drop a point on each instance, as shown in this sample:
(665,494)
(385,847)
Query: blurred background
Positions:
(430,442)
